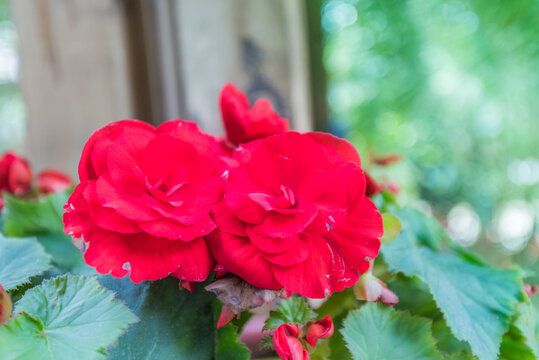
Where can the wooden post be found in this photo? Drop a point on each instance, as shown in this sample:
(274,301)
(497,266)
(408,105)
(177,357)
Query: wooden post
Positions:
(75,76)
(86,63)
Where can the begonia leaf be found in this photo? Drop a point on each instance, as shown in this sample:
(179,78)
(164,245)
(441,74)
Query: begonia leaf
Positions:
(69,317)
(290,311)
(477,301)
(20,259)
(377,332)
(43,219)
(521,341)
(392,228)
(228,347)
(174,324)
(22,217)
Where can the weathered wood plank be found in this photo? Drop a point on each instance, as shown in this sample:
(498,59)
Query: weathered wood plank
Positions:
(74,74)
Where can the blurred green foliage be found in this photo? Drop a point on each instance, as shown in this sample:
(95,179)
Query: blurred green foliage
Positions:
(451,85)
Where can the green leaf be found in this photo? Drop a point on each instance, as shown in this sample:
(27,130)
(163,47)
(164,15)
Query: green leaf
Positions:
(377,332)
(521,341)
(43,219)
(526,323)
(337,346)
(392,228)
(477,301)
(20,259)
(22,217)
(69,317)
(65,255)
(228,345)
(290,311)
(174,324)
(462,355)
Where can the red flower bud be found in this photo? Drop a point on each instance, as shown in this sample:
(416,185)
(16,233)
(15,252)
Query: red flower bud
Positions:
(321,329)
(226,316)
(372,187)
(15,174)
(387,159)
(287,343)
(243,124)
(5,306)
(187,285)
(51,181)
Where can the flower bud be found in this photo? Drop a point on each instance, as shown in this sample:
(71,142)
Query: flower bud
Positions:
(370,288)
(530,289)
(51,181)
(5,306)
(226,316)
(321,329)
(15,174)
(187,285)
(386,159)
(287,343)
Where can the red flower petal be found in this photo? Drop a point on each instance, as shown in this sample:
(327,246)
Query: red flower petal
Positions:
(287,225)
(173,230)
(292,256)
(144,256)
(226,221)
(93,159)
(321,329)
(357,237)
(268,244)
(242,258)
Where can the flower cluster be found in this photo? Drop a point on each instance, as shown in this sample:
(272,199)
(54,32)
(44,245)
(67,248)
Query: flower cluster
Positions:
(16,178)
(277,208)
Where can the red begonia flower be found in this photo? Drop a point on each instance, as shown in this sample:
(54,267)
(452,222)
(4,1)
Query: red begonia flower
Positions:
(144,200)
(243,124)
(295,215)
(15,174)
(321,329)
(51,181)
(287,344)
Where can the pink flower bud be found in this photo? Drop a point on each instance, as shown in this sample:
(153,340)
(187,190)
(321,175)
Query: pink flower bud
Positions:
(51,181)
(321,329)
(530,289)
(370,288)
(287,343)
(5,306)
(388,297)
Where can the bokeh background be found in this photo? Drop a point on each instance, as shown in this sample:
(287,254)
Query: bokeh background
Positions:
(452,86)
